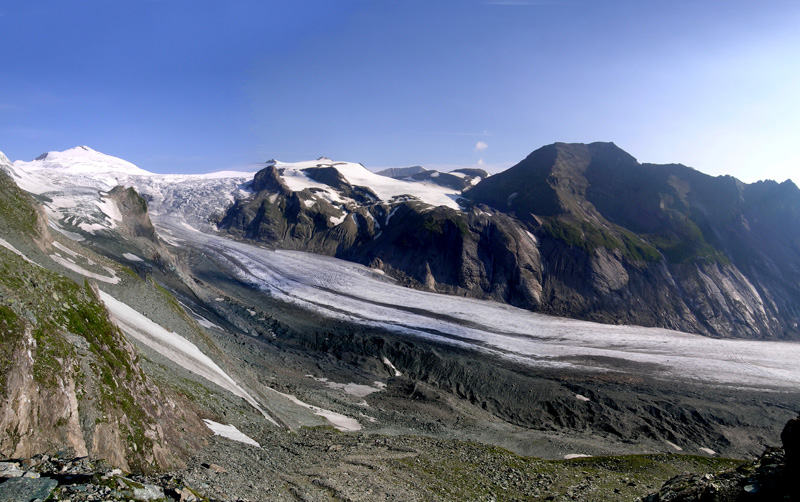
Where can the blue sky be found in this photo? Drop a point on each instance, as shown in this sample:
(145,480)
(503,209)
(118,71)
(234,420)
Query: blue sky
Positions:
(196,86)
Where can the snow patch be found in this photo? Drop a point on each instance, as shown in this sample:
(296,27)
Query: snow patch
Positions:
(109,208)
(575,455)
(202,321)
(582,398)
(70,265)
(353,389)
(389,217)
(131,257)
(65,249)
(66,233)
(175,348)
(708,450)
(230,432)
(14,250)
(673,445)
(339,220)
(339,421)
(391,367)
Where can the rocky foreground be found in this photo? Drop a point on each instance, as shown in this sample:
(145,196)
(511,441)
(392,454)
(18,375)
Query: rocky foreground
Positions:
(322,464)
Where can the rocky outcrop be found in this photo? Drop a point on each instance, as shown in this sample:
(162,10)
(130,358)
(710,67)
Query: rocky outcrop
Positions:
(135,219)
(790,437)
(46,477)
(68,376)
(773,476)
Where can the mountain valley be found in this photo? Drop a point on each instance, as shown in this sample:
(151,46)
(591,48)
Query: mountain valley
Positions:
(397,328)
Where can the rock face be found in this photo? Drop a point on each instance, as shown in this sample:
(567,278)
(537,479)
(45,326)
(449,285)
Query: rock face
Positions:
(133,208)
(68,376)
(574,230)
(790,437)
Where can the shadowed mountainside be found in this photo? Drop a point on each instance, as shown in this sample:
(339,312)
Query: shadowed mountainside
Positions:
(575,230)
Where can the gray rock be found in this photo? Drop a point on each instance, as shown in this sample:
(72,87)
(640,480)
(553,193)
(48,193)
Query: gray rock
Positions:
(148,492)
(27,489)
(10,470)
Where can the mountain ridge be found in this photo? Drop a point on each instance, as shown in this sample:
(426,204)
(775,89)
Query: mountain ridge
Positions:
(582,231)
(241,332)
(614,241)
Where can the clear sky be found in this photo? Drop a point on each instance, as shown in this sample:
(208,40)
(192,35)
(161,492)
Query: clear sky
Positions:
(196,85)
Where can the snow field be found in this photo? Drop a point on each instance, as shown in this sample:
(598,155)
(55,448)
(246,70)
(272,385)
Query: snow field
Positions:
(520,335)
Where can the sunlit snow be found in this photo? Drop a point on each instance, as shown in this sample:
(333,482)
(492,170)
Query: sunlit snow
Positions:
(174,347)
(345,290)
(230,432)
(14,250)
(131,257)
(110,279)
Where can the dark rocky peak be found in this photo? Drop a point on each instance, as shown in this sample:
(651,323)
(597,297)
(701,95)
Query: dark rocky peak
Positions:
(473,172)
(269,179)
(328,176)
(770,193)
(547,180)
(401,172)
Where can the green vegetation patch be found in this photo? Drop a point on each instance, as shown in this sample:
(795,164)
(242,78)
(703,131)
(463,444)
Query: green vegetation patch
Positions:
(466,471)
(684,242)
(55,307)
(16,207)
(589,237)
(437,223)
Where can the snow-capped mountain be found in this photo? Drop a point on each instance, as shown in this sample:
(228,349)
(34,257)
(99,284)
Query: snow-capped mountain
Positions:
(458,179)
(280,338)
(73,186)
(83,160)
(534,236)
(318,176)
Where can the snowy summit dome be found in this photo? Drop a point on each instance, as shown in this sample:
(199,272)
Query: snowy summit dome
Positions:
(84,160)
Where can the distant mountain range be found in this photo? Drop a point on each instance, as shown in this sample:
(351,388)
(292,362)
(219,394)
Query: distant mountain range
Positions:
(574,230)
(140,313)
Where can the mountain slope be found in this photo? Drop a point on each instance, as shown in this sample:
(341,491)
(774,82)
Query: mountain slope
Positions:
(68,377)
(715,255)
(288,324)
(576,230)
